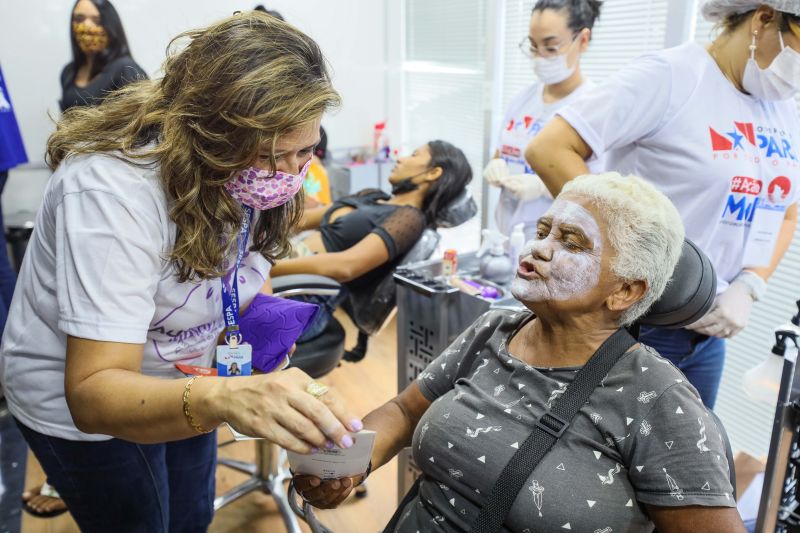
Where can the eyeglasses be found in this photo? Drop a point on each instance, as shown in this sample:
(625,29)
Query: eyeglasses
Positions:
(529,48)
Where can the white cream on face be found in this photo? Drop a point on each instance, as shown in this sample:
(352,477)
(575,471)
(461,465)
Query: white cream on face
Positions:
(565,273)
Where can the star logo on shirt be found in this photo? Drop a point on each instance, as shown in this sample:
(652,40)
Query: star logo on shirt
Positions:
(737,139)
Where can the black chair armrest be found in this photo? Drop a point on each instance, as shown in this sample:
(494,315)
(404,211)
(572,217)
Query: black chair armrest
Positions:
(304,284)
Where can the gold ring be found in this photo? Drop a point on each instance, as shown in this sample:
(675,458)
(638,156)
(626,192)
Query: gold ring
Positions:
(317,389)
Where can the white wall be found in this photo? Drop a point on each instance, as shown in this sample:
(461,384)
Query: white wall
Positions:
(34,47)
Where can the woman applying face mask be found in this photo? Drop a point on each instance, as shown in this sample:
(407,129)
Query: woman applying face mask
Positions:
(715,129)
(558,35)
(101,60)
(166,207)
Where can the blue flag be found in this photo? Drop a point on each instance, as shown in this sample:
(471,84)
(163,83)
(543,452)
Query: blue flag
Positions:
(12,151)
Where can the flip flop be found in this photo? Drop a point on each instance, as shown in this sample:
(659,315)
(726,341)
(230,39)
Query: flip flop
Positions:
(48,491)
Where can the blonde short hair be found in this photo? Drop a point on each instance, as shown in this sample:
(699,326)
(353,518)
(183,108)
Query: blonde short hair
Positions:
(644,228)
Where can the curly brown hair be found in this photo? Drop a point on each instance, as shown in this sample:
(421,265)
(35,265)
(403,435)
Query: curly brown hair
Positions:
(236,86)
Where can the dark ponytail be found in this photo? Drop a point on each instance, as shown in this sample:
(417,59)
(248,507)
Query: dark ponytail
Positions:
(456,175)
(582,13)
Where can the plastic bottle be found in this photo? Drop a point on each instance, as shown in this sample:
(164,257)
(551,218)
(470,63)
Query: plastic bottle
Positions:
(379,140)
(762,382)
(450,263)
(495,265)
(517,242)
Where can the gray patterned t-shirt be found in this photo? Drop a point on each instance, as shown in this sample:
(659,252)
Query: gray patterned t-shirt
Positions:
(644,437)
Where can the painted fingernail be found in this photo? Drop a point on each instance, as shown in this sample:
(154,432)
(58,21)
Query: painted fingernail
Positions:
(314,450)
(314,482)
(329,445)
(356,425)
(347,441)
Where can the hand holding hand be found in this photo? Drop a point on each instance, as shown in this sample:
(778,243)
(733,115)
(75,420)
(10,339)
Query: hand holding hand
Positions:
(279,408)
(325,494)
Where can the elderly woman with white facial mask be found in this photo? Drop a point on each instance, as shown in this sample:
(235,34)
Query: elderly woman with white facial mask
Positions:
(642,451)
(717,131)
(558,35)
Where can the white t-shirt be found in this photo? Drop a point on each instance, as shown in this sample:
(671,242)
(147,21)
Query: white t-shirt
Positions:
(527,114)
(97,268)
(673,118)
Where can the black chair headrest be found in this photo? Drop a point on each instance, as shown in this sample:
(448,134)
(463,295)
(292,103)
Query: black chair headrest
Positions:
(688,295)
(461,209)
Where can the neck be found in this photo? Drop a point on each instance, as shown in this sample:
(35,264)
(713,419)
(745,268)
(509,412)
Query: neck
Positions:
(552,344)
(726,52)
(413,198)
(560,90)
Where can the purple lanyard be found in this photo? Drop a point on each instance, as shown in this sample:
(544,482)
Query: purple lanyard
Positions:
(230,298)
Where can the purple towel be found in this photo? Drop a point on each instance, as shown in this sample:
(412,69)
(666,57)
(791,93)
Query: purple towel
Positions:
(271,325)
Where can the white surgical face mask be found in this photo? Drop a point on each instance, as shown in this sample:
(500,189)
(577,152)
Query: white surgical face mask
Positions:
(553,69)
(779,81)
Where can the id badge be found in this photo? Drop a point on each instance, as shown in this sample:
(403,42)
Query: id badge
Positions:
(764,230)
(234,360)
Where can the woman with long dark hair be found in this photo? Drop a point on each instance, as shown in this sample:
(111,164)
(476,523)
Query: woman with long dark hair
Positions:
(559,33)
(101,60)
(359,239)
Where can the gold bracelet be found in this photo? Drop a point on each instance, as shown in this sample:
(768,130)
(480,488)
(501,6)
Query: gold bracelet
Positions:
(187,412)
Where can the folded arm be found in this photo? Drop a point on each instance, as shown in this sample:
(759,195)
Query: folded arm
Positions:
(367,254)
(312,217)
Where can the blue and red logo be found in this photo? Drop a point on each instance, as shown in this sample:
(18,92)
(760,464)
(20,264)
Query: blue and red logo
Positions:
(745,196)
(527,125)
(768,142)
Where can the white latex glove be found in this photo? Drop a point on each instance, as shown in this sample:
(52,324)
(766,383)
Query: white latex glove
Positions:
(732,308)
(496,172)
(526,187)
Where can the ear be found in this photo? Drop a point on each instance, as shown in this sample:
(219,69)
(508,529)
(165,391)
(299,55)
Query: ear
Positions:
(434,174)
(626,294)
(585,37)
(762,18)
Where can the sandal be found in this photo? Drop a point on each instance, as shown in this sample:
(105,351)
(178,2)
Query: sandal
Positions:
(47,491)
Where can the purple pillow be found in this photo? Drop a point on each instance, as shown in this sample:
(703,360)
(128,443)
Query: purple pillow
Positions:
(271,325)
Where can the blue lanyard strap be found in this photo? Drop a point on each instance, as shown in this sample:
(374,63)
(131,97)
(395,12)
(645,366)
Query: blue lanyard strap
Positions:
(230,297)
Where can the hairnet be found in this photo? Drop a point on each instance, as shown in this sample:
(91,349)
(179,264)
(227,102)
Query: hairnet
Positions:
(715,10)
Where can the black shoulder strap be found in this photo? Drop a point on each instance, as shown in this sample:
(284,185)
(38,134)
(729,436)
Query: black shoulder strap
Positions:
(547,431)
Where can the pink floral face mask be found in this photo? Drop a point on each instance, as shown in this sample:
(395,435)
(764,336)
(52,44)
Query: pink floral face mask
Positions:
(262,190)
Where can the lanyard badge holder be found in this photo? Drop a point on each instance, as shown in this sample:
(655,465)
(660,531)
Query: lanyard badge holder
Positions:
(235,358)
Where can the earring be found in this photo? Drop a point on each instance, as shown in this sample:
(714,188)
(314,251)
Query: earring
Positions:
(753,46)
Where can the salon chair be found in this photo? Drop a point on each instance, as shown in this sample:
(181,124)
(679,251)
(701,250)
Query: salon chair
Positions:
(318,356)
(688,297)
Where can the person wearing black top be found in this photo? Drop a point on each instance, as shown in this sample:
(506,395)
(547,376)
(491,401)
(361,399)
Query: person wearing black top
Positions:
(101,60)
(359,239)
